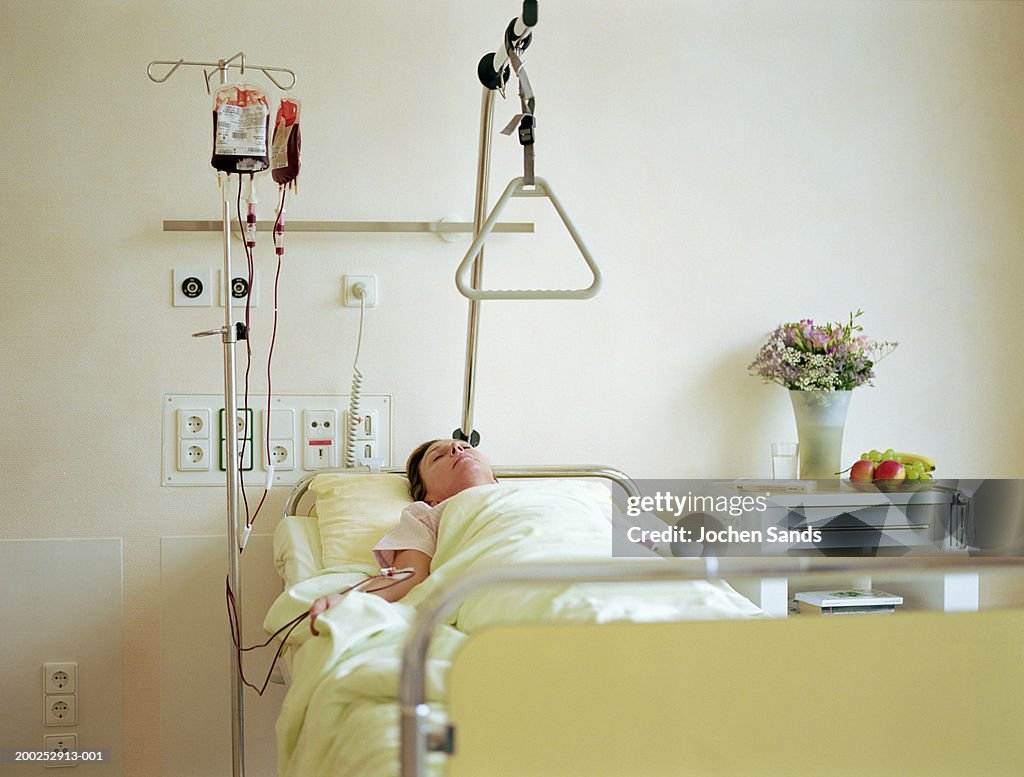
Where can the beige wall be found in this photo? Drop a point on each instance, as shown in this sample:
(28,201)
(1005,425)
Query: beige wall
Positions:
(731,165)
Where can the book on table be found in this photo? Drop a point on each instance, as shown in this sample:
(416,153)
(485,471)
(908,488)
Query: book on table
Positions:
(850,601)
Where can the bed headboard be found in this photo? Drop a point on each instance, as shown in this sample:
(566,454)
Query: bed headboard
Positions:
(292,503)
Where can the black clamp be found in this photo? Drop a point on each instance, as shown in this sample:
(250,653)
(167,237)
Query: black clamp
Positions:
(526,137)
(473,439)
(526,125)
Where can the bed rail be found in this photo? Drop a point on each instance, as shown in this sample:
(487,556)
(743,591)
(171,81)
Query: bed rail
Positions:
(618,477)
(412,685)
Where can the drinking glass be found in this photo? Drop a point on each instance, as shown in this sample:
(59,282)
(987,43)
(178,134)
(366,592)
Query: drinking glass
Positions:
(784,460)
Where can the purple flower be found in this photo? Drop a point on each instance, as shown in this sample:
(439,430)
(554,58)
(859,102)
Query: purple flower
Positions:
(802,356)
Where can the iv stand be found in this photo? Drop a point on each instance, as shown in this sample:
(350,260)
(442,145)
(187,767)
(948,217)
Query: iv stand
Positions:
(230,334)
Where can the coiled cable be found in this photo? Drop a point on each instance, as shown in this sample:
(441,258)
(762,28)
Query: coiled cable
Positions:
(354,417)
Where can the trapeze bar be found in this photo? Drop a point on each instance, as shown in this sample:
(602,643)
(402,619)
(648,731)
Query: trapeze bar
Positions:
(431,227)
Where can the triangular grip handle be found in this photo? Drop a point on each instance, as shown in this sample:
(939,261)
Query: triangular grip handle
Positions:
(516,188)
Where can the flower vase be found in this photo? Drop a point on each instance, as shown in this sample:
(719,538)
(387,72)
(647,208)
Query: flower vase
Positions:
(820,418)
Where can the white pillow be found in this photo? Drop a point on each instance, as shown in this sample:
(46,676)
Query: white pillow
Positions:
(354,512)
(297,549)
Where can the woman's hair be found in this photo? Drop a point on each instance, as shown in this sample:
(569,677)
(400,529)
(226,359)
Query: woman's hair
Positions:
(417,489)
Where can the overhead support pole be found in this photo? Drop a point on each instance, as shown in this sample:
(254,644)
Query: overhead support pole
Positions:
(483,173)
(493,71)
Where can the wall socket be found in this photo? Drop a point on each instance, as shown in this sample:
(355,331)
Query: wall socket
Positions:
(193,423)
(60,710)
(60,677)
(194,455)
(367,284)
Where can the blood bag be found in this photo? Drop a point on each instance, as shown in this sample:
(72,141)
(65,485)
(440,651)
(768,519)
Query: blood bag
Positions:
(284,150)
(241,120)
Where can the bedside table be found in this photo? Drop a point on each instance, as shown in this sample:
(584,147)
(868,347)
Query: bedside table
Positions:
(851,522)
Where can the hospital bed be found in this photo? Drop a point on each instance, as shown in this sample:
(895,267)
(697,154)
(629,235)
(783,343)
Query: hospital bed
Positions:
(439,686)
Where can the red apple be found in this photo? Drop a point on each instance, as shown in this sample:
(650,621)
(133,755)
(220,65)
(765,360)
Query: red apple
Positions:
(891,472)
(864,469)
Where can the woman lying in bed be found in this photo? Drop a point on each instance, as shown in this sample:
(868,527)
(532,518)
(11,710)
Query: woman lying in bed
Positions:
(437,471)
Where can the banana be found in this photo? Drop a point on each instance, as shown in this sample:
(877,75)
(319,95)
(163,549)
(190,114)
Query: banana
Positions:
(910,458)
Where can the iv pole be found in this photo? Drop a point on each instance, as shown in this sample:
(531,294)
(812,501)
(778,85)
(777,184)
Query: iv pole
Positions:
(230,334)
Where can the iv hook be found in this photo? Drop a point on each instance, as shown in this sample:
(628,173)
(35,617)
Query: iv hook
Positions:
(222,65)
(154,79)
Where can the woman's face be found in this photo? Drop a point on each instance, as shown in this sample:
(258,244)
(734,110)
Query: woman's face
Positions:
(450,466)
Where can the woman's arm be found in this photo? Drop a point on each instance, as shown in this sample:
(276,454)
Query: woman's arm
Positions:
(416,560)
(389,590)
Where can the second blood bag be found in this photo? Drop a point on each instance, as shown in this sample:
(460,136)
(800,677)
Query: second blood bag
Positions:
(287,143)
(241,120)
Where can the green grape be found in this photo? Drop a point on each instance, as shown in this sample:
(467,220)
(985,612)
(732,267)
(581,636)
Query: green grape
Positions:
(865,457)
(918,467)
(925,476)
(889,453)
(899,459)
(913,474)
(886,457)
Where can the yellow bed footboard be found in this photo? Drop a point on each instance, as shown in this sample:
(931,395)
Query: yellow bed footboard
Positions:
(912,693)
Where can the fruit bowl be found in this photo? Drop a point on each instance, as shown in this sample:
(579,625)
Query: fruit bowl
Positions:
(886,486)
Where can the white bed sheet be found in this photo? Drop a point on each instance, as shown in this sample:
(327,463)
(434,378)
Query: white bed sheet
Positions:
(340,716)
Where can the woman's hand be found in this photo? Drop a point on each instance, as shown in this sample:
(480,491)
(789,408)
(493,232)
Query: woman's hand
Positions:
(318,608)
(389,590)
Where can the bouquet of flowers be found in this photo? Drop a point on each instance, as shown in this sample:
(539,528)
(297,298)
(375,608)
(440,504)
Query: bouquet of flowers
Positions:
(804,356)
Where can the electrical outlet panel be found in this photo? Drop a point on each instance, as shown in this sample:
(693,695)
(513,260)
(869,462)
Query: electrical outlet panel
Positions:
(60,677)
(194,455)
(193,423)
(243,423)
(194,447)
(279,434)
(356,285)
(60,710)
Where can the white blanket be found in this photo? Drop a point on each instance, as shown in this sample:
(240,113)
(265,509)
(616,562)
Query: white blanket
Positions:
(340,715)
